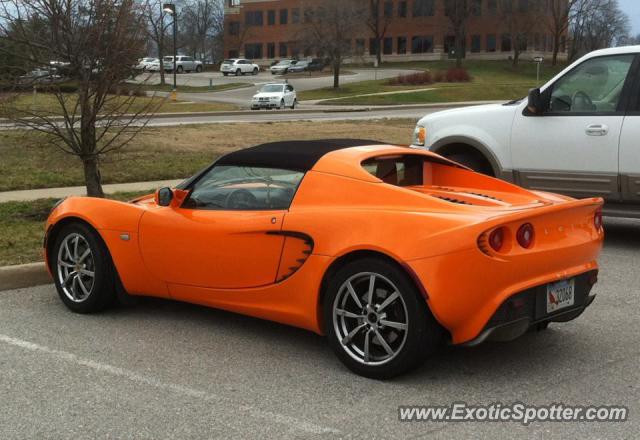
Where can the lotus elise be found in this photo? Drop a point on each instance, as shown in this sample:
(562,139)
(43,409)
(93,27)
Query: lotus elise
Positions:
(388,251)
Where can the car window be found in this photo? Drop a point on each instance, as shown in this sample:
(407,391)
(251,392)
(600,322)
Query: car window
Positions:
(289,88)
(271,88)
(404,170)
(239,188)
(594,86)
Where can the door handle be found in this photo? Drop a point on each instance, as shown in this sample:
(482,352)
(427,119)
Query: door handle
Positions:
(597,130)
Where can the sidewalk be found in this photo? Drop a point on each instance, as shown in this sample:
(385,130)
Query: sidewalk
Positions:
(58,193)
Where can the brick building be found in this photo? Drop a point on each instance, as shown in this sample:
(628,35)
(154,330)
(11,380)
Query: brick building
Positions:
(265,30)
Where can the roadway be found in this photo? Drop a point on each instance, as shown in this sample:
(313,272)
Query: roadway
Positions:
(169,370)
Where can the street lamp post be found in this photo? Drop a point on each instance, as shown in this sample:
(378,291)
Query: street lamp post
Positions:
(170,8)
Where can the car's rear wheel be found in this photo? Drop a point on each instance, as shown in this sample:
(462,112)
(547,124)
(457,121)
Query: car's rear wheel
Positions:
(198,69)
(83,272)
(238,72)
(255,71)
(180,69)
(376,321)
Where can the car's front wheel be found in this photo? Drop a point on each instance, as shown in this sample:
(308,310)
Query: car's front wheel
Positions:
(281,106)
(293,104)
(198,69)
(255,71)
(376,320)
(83,272)
(180,69)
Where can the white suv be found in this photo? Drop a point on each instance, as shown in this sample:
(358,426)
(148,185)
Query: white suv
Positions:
(275,96)
(183,63)
(238,66)
(578,135)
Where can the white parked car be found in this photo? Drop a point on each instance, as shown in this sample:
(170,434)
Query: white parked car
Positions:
(275,96)
(238,66)
(282,67)
(183,63)
(145,63)
(578,135)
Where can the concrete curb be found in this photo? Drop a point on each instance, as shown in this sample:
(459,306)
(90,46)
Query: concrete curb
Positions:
(23,275)
(335,109)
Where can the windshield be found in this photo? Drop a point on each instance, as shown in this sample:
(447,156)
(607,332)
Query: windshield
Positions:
(284,63)
(271,88)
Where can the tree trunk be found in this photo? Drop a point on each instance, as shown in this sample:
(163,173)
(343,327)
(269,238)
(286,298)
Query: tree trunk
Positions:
(336,74)
(379,52)
(458,50)
(556,49)
(516,58)
(160,57)
(92,177)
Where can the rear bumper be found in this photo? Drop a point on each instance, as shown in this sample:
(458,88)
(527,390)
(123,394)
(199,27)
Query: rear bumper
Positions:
(524,310)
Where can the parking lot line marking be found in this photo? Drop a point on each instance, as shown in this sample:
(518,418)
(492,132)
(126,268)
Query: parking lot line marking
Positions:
(282,419)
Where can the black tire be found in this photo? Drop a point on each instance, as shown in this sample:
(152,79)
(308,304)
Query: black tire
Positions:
(474,161)
(238,72)
(422,336)
(281,106)
(293,104)
(224,74)
(102,292)
(198,69)
(180,69)
(255,71)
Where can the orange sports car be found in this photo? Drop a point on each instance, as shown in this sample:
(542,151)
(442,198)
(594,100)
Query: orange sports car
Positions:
(388,251)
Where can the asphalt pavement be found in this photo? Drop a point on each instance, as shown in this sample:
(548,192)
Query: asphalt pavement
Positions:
(162,369)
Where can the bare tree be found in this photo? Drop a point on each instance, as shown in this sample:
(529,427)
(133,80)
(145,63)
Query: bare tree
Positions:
(603,26)
(157,29)
(331,31)
(95,43)
(458,12)
(378,21)
(519,19)
(562,14)
(202,20)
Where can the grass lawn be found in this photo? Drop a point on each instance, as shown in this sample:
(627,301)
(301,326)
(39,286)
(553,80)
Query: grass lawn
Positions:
(193,89)
(491,80)
(47,103)
(22,229)
(28,161)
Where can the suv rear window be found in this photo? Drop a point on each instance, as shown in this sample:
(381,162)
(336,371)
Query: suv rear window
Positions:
(399,170)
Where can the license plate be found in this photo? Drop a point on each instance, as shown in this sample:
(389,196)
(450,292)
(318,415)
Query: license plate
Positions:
(560,295)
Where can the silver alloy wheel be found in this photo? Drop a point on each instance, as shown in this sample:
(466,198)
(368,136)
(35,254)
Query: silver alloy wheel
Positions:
(370,318)
(76,268)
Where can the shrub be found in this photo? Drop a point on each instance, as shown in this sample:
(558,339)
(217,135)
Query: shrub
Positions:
(411,79)
(458,74)
(438,76)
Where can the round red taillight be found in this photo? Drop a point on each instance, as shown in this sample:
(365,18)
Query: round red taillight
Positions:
(597,219)
(496,239)
(525,235)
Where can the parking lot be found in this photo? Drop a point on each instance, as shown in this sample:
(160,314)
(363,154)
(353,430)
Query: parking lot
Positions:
(168,370)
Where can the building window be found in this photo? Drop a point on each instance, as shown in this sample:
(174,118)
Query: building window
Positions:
(253,51)
(234,28)
(402,9)
(476,8)
(271,50)
(523,5)
(388,9)
(387,46)
(295,15)
(423,44)
(373,46)
(253,18)
(491,43)
(505,45)
(402,45)
(476,43)
(271,17)
(423,8)
(283,50)
(308,15)
(360,46)
(284,16)
(492,7)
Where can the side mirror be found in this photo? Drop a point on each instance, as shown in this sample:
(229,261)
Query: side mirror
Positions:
(164,196)
(535,102)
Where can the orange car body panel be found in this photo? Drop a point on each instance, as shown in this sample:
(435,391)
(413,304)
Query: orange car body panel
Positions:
(245,262)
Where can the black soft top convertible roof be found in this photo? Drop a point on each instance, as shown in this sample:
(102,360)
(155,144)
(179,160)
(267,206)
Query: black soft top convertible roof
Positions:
(291,155)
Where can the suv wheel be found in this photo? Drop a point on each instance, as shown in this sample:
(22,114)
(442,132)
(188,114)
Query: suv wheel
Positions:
(198,69)
(376,320)
(255,71)
(180,69)
(475,161)
(238,72)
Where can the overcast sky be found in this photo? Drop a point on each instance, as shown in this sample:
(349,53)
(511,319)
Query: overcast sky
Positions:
(632,8)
